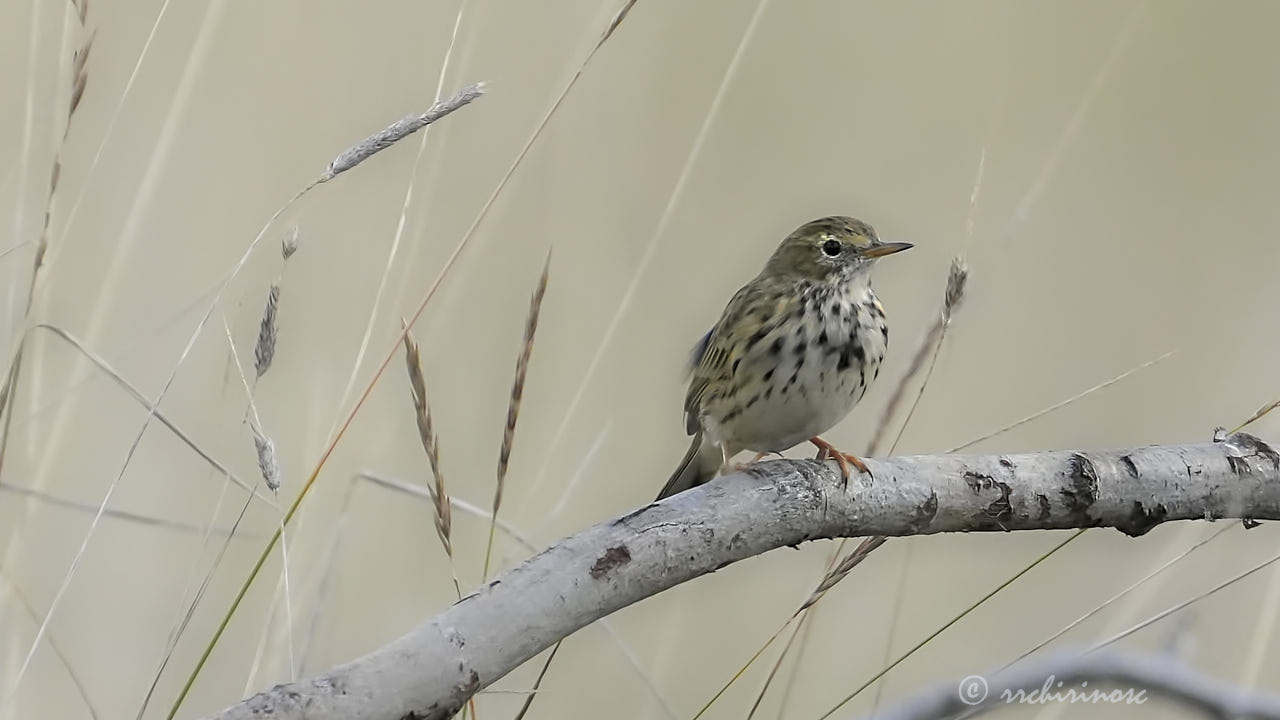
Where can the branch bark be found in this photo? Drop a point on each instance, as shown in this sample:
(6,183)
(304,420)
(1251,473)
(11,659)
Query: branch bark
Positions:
(432,670)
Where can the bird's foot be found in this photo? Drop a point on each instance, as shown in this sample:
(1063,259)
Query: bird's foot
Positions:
(843,459)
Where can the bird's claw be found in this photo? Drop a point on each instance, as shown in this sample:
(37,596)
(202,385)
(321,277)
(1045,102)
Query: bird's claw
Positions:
(843,459)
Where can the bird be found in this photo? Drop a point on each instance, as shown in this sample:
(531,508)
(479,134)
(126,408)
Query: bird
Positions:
(792,354)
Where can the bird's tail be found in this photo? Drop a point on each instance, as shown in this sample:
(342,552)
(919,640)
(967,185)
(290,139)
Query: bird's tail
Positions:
(699,465)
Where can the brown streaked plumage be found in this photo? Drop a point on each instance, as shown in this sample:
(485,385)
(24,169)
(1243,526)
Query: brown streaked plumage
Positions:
(793,352)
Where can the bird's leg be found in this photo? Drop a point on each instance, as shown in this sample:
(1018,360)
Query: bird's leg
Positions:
(743,466)
(725,465)
(844,460)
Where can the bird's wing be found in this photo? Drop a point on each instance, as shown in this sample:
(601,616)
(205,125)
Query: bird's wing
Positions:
(699,350)
(752,313)
(707,359)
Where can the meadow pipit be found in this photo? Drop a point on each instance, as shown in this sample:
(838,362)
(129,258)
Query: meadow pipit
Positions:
(793,352)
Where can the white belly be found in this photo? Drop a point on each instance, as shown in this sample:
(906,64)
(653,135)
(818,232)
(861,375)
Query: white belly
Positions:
(808,386)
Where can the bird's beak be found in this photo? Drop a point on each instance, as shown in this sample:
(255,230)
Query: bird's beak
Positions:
(883,249)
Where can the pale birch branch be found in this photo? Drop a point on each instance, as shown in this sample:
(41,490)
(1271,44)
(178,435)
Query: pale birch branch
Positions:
(432,670)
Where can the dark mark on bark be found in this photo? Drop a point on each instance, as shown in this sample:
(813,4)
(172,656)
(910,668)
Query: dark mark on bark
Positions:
(1000,508)
(1238,465)
(1141,519)
(332,685)
(612,558)
(978,482)
(1250,445)
(634,514)
(1045,508)
(1083,477)
(924,514)
(1006,462)
(436,711)
(1129,466)
(455,638)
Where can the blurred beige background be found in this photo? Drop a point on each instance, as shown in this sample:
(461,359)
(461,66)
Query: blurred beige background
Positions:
(1109,169)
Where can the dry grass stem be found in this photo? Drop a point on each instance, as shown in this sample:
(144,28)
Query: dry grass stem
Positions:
(1262,411)
(142,400)
(517,393)
(430,443)
(842,570)
(342,427)
(267,461)
(803,630)
(6,394)
(289,243)
(743,669)
(402,222)
(344,162)
(115,481)
(79,78)
(773,671)
(183,619)
(1184,604)
(1114,598)
(53,645)
(674,197)
(945,626)
(525,542)
(265,349)
(325,582)
(190,611)
(1059,405)
(537,684)
(467,508)
(957,280)
(310,480)
(265,637)
(397,131)
(125,515)
(14,248)
(618,17)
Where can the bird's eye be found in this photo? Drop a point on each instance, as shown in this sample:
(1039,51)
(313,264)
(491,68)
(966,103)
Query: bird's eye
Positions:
(831,248)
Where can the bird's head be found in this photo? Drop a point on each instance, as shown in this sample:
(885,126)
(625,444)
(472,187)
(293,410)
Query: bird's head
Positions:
(836,248)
